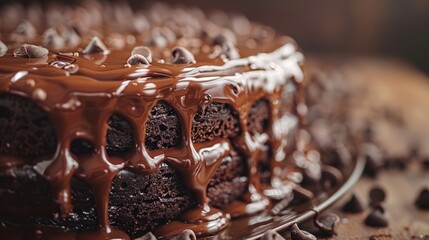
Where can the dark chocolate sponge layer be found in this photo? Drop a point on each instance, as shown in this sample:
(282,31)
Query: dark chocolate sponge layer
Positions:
(217,120)
(163,129)
(229,181)
(24,128)
(137,202)
(28,132)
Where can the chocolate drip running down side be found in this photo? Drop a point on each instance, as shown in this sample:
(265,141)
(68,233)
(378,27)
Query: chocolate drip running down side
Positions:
(93,98)
(37,138)
(137,202)
(125,213)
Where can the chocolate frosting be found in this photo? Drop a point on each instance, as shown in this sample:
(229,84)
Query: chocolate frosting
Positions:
(81,87)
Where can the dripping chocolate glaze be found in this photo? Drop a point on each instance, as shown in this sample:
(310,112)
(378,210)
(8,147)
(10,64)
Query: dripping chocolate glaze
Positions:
(84,90)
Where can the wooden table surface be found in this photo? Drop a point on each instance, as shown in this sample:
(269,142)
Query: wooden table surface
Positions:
(405,220)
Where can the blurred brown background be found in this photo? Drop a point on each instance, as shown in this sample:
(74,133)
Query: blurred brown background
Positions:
(393,28)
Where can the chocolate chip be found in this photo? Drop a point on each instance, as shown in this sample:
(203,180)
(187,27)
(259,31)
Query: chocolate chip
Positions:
(263,33)
(140,23)
(272,235)
(414,150)
(226,41)
(302,194)
(71,37)
(396,163)
(376,195)
(393,116)
(331,177)
(224,37)
(374,159)
(425,163)
(30,51)
(147,236)
(339,154)
(377,218)
(182,56)
(230,51)
(158,40)
(25,31)
(241,25)
(354,205)
(422,200)
(95,46)
(372,167)
(52,39)
(368,132)
(219,40)
(3,49)
(185,235)
(298,234)
(116,41)
(327,223)
(137,59)
(169,35)
(144,51)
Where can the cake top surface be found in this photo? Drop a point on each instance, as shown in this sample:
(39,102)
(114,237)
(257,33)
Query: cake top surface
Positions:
(156,47)
(102,37)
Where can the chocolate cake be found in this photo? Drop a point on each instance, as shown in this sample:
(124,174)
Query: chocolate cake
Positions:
(116,121)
